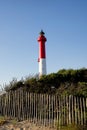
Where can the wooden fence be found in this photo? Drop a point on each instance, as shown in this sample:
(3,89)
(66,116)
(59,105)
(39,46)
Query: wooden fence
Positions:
(44,109)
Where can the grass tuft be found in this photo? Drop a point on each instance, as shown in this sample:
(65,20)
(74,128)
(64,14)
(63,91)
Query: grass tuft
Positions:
(72,127)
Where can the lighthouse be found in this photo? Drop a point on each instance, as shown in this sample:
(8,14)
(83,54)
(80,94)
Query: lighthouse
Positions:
(42,54)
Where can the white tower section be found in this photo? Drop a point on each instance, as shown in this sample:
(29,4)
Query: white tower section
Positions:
(42,66)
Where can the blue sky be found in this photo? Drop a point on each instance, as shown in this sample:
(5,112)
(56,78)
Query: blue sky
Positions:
(65,25)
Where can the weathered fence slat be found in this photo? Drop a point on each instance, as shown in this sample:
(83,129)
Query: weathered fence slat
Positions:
(44,109)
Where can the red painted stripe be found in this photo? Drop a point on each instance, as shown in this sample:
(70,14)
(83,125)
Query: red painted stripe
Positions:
(42,40)
(42,53)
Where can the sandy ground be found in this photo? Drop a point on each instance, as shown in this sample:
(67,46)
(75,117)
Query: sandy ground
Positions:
(24,125)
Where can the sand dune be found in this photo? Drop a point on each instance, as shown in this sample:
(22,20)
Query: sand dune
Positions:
(24,125)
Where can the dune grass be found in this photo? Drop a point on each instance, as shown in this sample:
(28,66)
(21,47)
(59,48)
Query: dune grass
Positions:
(2,120)
(72,127)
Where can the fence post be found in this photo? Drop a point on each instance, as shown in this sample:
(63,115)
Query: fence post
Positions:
(44,108)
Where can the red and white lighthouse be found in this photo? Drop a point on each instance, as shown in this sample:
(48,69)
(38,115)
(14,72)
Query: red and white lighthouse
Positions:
(42,54)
